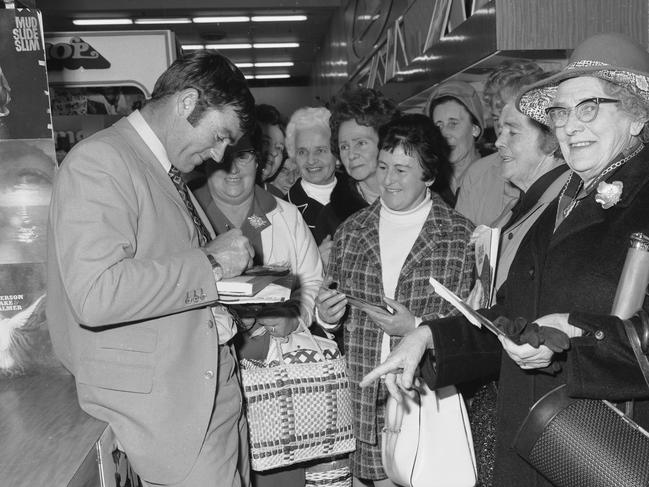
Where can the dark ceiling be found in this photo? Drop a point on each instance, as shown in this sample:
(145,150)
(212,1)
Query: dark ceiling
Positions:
(310,34)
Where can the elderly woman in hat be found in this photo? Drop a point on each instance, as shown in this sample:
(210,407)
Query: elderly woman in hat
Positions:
(566,271)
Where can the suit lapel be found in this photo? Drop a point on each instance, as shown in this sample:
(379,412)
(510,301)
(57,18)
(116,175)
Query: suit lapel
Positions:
(156,173)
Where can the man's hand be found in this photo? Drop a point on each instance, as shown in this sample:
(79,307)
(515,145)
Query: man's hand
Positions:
(232,251)
(394,324)
(403,360)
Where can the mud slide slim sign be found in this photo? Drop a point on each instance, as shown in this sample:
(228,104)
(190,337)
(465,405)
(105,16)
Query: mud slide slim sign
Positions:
(27,167)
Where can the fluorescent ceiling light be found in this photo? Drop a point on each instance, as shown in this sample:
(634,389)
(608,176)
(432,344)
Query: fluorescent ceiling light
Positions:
(228,46)
(220,20)
(272,76)
(278,18)
(174,20)
(192,47)
(272,45)
(102,21)
(249,76)
(278,64)
(244,65)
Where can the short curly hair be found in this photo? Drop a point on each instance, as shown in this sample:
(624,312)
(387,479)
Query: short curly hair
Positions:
(269,115)
(509,75)
(630,103)
(305,117)
(363,105)
(421,139)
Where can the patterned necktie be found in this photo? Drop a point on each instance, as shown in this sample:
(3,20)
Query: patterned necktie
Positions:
(203,234)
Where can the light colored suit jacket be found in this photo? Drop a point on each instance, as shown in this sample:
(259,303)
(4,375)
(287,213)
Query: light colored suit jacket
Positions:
(127,309)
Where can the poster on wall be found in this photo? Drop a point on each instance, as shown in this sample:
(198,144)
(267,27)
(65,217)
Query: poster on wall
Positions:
(24,98)
(27,166)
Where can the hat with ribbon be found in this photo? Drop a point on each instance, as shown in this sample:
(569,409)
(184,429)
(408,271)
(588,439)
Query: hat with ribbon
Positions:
(611,57)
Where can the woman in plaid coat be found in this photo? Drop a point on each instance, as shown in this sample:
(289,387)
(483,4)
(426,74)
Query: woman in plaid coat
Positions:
(384,255)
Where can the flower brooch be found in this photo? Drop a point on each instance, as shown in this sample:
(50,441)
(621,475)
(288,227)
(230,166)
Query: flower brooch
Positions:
(608,195)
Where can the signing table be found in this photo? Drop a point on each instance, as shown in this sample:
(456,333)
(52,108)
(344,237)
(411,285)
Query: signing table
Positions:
(45,437)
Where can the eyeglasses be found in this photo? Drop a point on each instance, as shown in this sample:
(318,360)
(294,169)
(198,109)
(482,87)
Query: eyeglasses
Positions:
(585,111)
(244,158)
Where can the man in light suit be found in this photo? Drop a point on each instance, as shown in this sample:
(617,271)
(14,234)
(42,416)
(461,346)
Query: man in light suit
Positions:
(132,273)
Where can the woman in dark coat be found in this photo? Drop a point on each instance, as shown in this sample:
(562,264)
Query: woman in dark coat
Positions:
(384,254)
(566,271)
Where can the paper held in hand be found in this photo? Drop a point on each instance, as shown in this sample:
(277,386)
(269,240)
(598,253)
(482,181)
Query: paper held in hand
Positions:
(255,289)
(473,316)
(486,259)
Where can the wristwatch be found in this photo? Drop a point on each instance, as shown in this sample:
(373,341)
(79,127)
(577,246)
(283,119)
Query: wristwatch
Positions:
(217,270)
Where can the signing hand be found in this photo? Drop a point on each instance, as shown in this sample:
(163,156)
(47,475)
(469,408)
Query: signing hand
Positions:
(526,356)
(233,251)
(330,303)
(397,324)
(401,365)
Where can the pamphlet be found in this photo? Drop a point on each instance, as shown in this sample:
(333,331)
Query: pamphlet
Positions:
(463,307)
(486,260)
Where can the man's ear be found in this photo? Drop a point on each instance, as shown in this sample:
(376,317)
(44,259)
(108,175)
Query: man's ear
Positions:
(186,102)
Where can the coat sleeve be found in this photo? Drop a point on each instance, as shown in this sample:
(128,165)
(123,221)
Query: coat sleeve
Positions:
(601,363)
(462,353)
(309,265)
(95,221)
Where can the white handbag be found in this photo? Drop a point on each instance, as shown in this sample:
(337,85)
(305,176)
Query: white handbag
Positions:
(427,440)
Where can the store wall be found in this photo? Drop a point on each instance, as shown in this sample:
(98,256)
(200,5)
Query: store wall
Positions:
(287,99)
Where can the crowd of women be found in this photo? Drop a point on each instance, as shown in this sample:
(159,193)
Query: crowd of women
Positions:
(575,185)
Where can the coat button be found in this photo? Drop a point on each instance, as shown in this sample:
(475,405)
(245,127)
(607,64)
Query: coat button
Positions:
(531,272)
(209,374)
(210,324)
(599,334)
(510,236)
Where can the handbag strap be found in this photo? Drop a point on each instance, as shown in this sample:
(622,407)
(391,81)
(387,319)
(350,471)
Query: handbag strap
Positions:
(636,345)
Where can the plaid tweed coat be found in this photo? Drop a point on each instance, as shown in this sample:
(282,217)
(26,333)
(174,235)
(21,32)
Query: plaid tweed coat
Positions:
(441,250)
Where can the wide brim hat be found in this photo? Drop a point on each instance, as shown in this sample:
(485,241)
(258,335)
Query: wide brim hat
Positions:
(612,57)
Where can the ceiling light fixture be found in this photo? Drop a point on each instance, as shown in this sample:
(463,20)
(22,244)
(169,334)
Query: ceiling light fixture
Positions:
(278,64)
(220,20)
(228,46)
(275,45)
(273,76)
(278,18)
(192,47)
(174,20)
(244,65)
(102,21)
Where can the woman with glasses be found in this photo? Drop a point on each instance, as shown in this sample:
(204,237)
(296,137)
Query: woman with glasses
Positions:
(566,271)
(278,234)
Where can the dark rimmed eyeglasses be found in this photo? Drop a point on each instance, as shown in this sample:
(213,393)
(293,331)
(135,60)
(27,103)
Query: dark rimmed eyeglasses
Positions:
(585,111)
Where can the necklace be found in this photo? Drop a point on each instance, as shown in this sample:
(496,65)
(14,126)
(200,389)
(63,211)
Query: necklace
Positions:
(595,181)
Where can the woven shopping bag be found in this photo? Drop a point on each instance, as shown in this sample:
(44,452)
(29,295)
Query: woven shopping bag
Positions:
(299,408)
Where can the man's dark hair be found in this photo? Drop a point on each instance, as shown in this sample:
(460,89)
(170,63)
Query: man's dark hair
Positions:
(421,139)
(218,81)
(363,105)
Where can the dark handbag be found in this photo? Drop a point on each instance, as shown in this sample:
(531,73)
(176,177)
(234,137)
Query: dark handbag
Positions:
(583,443)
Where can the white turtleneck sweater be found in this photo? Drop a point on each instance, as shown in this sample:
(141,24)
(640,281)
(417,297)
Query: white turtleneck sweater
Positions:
(319,192)
(407,226)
